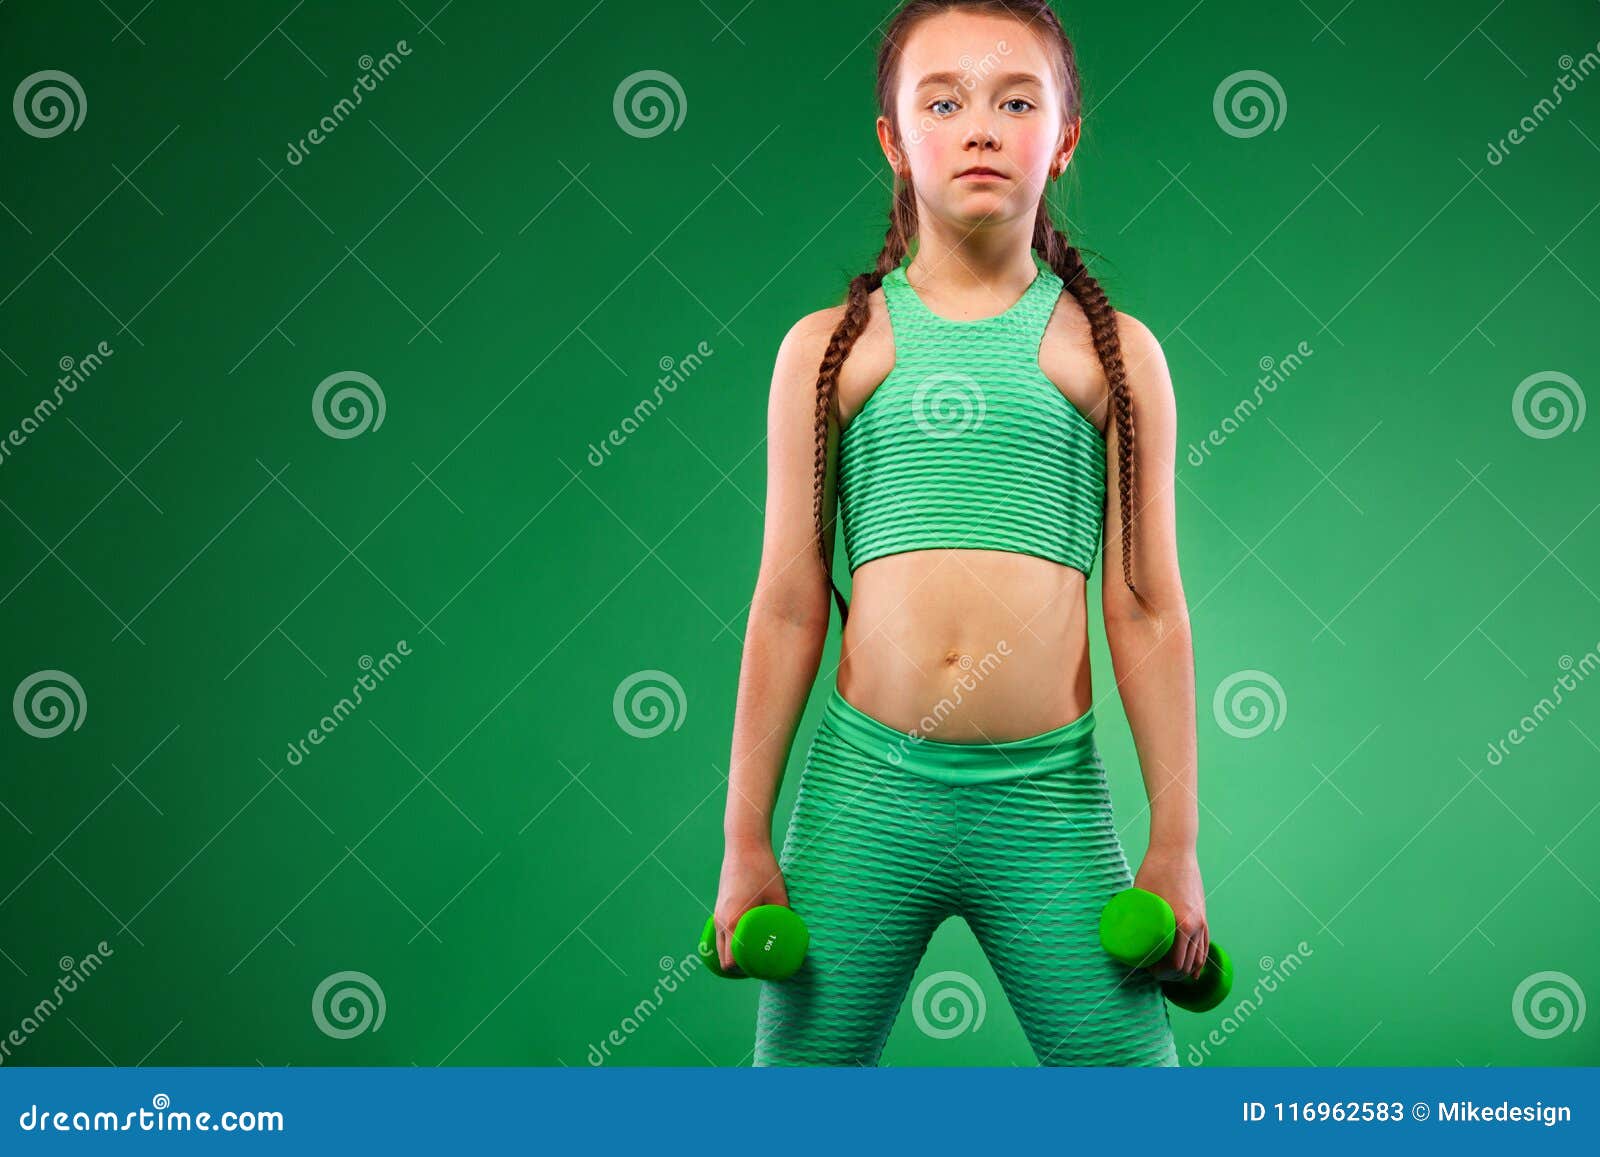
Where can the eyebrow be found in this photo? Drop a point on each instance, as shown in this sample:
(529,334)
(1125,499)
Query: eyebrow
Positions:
(955,78)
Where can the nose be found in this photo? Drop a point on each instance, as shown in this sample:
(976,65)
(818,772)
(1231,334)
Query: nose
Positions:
(981,136)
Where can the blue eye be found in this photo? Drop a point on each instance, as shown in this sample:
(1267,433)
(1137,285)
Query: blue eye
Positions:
(1021,101)
(942,100)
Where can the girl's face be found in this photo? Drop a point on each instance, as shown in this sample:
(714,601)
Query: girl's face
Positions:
(977,92)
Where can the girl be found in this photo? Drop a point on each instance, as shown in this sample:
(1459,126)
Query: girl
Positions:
(980,413)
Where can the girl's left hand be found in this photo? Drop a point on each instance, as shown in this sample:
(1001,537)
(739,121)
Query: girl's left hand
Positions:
(1175,877)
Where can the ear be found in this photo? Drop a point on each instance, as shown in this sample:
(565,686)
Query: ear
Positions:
(885,132)
(1069,143)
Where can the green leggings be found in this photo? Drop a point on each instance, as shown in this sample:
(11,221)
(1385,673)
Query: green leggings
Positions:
(892,835)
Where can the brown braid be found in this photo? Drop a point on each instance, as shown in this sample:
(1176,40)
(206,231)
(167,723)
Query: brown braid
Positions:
(1064,258)
(1051,244)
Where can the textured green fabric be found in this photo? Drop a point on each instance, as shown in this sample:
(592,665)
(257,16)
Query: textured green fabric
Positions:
(966,442)
(878,856)
(1070,745)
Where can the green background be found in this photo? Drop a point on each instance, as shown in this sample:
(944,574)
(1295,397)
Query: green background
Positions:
(482,838)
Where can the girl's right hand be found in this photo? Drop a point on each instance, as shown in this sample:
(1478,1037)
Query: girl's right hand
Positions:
(750,876)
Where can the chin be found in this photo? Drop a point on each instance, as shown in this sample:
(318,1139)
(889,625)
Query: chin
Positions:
(981,204)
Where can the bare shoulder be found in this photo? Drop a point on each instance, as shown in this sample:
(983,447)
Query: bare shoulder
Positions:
(1146,363)
(1135,336)
(801,352)
(794,373)
(807,339)
(812,330)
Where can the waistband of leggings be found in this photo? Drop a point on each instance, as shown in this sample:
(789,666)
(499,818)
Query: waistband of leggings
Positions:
(1071,745)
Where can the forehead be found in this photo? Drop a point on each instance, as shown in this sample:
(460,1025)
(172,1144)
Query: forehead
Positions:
(980,45)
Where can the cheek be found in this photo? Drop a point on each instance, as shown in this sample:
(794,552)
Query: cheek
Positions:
(947,146)
(1030,147)
(933,149)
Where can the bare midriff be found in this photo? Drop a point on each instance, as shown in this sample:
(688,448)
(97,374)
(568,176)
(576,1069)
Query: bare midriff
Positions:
(967,646)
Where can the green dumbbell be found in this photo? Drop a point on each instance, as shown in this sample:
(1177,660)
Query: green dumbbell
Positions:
(1137,928)
(769,942)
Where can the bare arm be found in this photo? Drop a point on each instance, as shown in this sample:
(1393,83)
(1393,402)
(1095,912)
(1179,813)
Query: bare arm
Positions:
(788,621)
(1152,652)
(785,632)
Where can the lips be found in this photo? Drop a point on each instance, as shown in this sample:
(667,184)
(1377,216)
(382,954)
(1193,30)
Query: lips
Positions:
(981,171)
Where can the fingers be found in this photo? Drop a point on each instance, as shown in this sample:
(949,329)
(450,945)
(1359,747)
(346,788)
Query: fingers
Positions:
(1190,949)
(724,949)
(1176,959)
(1196,944)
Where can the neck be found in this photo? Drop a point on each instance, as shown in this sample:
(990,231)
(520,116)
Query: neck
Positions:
(975,262)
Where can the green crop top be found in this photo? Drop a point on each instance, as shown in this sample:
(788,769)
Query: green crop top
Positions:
(967,443)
